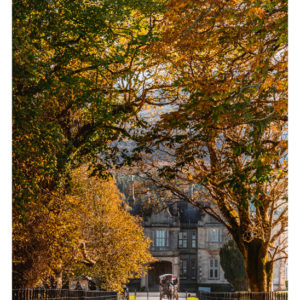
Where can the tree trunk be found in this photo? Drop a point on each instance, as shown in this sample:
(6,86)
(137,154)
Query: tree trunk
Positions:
(257,265)
(58,280)
(269,270)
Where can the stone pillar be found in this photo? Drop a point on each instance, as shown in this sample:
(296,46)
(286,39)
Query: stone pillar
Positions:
(176,268)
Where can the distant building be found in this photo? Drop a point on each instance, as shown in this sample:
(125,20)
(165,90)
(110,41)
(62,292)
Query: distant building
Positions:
(187,242)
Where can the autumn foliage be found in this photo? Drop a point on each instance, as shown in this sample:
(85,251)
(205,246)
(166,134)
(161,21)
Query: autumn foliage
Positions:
(87,233)
(84,75)
(75,65)
(227,132)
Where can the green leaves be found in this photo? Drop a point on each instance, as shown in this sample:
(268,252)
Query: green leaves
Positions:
(233,265)
(75,65)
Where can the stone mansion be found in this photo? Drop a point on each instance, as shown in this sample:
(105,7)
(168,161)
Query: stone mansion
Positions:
(186,243)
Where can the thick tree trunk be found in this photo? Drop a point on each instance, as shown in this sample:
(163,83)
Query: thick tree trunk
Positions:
(256,262)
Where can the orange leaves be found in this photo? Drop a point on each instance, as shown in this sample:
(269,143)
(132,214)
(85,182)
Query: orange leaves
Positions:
(113,238)
(217,50)
(258,12)
(281,106)
(281,85)
(267,83)
(92,214)
(177,4)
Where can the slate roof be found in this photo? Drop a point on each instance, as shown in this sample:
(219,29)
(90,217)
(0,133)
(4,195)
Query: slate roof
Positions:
(189,214)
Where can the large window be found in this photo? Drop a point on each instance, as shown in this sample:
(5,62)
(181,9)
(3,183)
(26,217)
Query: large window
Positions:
(187,239)
(183,268)
(212,235)
(160,239)
(182,239)
(213,268)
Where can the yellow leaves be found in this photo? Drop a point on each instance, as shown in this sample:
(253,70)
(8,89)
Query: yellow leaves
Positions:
(143,31)
(267,83)
(112,236)
(257,12)
(281,85)
(190,177)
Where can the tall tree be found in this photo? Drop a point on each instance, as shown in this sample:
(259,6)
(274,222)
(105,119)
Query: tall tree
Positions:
(228,129)
(79,73)
(89,234)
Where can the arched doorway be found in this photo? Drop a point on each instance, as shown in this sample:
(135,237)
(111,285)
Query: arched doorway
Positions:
(157,269)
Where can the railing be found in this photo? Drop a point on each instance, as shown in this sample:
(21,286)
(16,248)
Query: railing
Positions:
(283,295)
(58,294)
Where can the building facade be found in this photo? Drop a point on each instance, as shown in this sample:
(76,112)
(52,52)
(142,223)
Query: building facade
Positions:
(186,242)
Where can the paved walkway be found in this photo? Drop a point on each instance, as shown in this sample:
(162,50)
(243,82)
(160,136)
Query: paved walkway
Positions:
(155,296)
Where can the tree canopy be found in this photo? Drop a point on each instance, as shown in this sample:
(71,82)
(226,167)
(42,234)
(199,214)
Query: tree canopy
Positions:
(89,233)
(84,73)
(227,131)
(79,75)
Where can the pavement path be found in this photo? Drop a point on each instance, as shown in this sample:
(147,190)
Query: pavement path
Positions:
(155,296)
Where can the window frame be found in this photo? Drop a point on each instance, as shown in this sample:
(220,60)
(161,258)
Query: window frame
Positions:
(160,239)
(194,239)
(182,239)
(216,235)
(214,266)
